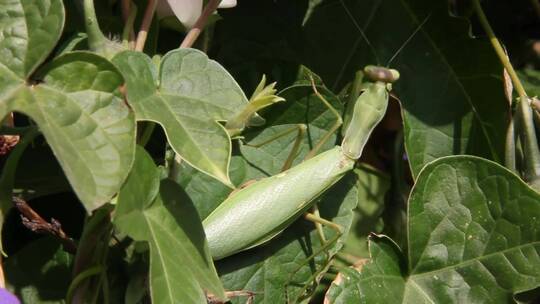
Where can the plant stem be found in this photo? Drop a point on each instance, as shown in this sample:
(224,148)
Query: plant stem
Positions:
(96,39)
(145,25)
(499,49)
(194,33)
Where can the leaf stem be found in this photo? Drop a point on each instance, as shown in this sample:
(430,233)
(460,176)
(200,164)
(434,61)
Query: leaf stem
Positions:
(96,39)
(194,33)
(498,48)
(145,25)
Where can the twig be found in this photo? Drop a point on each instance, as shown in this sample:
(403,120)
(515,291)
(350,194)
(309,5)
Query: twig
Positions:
(194,33)
(145,25)
(33,221)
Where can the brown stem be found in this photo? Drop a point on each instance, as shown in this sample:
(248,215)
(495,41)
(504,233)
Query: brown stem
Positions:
(194,33)
(33,221)
(145,25)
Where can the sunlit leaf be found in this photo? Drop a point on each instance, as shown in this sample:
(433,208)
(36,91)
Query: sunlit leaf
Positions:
(187,96)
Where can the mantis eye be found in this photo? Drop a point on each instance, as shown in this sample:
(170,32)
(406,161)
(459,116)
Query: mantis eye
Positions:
(377,73)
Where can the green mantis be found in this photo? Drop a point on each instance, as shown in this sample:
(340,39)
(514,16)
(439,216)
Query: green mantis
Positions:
(242,221)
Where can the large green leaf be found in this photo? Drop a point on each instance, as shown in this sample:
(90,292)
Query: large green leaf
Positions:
(187,97)
(90,130)
(472,238)
(450,85)
(160,213)
(29,31)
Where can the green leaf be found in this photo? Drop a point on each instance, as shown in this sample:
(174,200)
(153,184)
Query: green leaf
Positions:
(451,89)
(89,128)
(39,278)
(187,97)
(29,31)
(472,237)
(180,263)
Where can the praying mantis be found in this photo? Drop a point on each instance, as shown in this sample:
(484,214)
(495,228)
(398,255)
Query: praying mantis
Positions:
(294,191)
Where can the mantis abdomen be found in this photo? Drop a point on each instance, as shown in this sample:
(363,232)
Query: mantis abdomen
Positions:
(262,210)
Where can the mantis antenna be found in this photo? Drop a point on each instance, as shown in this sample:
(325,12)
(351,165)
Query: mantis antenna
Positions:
(359,28)
(418,28)
(368,22)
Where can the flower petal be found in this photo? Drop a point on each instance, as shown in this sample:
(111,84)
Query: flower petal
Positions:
(227,4)
(187,11)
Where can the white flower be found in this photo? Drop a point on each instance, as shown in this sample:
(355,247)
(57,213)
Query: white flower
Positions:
(187,11)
